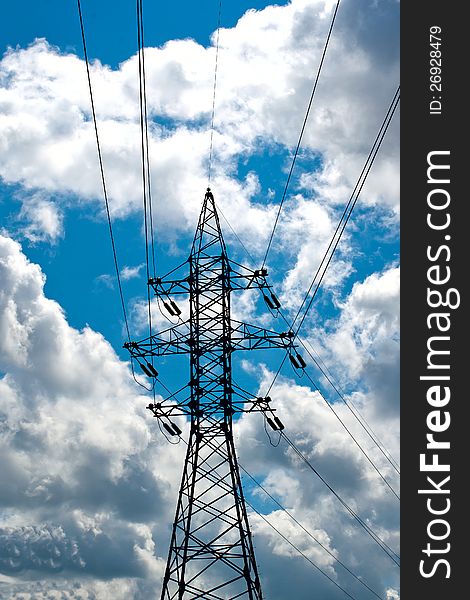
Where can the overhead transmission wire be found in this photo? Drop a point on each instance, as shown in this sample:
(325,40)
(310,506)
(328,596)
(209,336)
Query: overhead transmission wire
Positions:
(146,182)
(340,228)
(214,94)
(323,368)
(145,160)
(336,239)
(146,178)
(236,235)
(309,533)
(298,550)
(105,192)
(357,415)
(382,544)
(325,48)
(349,432)
(349,207)
(354,412)
(103,180)
(211,145)
(359,418)
(361,522)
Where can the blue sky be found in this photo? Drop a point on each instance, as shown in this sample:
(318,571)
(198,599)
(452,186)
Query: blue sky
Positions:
(64,373)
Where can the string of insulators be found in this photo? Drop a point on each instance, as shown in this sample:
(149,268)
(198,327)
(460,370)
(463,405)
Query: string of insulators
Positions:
(172,307)
(297,361)
(172,428)
(275,423)
(148,369)
(271,301)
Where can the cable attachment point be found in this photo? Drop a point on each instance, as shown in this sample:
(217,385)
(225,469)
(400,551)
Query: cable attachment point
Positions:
(274,422)
(261,272)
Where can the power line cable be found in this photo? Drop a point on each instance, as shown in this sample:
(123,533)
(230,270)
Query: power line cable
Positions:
(143,87)
(382,544)
(344,218)
(105,193)
(103,180)
(348,431)
(330,406)
(354,411)
(235,234)
(356,414)
(361,522)
(144,148)
(146,180)
(350,206)
(298,550)
(214,92)
(359,186)
(302,131)
(309,533)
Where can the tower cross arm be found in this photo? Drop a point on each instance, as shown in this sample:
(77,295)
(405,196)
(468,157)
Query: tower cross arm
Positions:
(164,287)
(251,337)
(244,278)
(170,283)
(175,340)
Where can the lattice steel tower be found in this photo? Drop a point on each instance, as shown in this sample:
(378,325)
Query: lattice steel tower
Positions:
(211,552)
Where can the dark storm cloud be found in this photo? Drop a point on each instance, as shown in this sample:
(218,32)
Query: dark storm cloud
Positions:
(106,551)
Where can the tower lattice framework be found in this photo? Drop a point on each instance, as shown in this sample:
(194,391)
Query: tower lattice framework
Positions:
(211,554)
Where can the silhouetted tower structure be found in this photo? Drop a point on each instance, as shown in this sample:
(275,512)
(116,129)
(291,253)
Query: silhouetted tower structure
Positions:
(211,552)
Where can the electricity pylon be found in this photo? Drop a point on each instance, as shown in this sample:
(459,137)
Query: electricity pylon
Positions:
(211,553)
